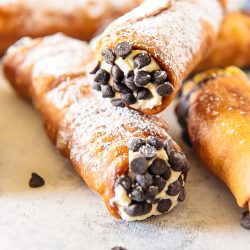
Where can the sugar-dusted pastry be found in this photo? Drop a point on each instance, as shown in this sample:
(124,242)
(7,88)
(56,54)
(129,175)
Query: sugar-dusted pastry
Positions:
(126,157)
(144,55)
(215,110)
(233,43)
(77,18)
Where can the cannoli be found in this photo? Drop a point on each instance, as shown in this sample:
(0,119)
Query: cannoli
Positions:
(214,109)
(144,55)
(80,19)
(126,157)
(233,43)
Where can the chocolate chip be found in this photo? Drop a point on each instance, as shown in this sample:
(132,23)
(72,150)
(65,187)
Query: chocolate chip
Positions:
(182,195)
(150,194)
(129,80)
(125,181)
(159,182)
(36,181)
(137,194)
(177,161)
(143,94)
(158,166)
(142,78)
(102,76)
(166,175)
(164,205)
(180,179)
(118,103)
(139,165)
(117,73)
(129,98)
(165,89)
(138,209)
(121,88)
(174,188)
(245,220)
(108,56)
(107,91)
(123,49)
(118,248)
(149,152)
(142,60)
(136,143)
(144,181)
(159,76)
(96,68)
(96,86)
(168,146)
(185,137)
(153,141)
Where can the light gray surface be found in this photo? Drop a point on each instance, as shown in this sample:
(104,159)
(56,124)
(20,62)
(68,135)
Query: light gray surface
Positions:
(65,214)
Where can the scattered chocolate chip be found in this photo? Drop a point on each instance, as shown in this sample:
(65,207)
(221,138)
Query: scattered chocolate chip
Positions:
(144,181)
(136,143)
(158,166)
(118,103)
(129,80)
(245,220)
(108,56)
(153,141)
(166,175)
(168,146)
(96,68)
(164,205)
(96,86)
(102,76)
(36,181)
(177,161)
(107,91)
(159,76)
(142,60)
(137,194)
(149,152)
(182,195)
(159,182)
(142,78)
(165,89)
(118,248)
(150,194)
(129,98)
(139,165)
(138,209)
(143,94)
(174,188)
(121,88)
(123,49)
(125,181)
(117,73)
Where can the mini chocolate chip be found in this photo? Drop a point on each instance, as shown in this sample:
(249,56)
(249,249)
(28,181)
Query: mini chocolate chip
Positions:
(165,89)
(123,49)
(136,143)
(36,181)
(142,78)
(245,220)
(174,188)
(166,175)
(102,76)
(125,181)
(129,98)
(177,161)
(153,141)
(168,146)
(118,248)
(144,181)
(96,86)
(117,73)
(149,152)
(107,91)
(96,68)
(121,88)
(129,80)
(182,195)
(158,166)
(142,60)
(143,94)
(138,209)
(150,194)
(108,56)
(139,165)
(159,76)
(164,205)
(118,103)
(159,182)
(137,194)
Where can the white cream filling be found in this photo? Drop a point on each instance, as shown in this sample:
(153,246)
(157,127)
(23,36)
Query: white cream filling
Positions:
(126,65)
